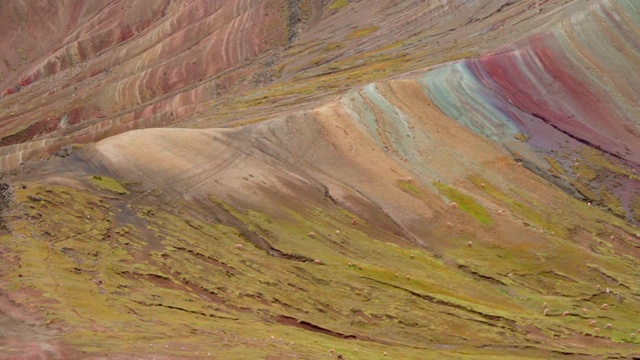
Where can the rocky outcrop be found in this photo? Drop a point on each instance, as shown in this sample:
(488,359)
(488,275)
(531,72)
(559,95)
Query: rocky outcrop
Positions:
(6,196)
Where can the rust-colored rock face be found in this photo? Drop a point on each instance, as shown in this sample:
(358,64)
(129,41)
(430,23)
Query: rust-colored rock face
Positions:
(274,179)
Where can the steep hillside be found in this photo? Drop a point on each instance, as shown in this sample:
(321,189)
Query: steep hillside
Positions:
(568,94)
(115,66)
(438,179)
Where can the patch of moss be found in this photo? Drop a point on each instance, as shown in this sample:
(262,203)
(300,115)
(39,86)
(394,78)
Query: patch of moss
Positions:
(465,202)
(319,60)
(355,34)
(555,166)
(332,47)
(110,184)
(613,202)
(526,212)
(408,187)
(338,4)
(522,137)
(634,205)
(584,190)
(460,56)
(596,159)
(586,172)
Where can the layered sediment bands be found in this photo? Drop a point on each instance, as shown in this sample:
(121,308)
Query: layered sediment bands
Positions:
(133,65)
(73,32)
(24,44)
(567,92)
(112,66)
